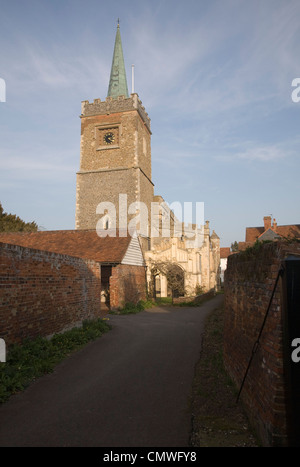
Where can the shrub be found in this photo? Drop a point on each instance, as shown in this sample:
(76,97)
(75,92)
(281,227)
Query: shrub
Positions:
(34,358)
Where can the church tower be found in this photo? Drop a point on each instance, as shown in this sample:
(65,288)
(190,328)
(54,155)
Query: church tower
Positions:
(115,153)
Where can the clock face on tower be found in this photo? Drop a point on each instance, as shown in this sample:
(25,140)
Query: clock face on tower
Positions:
(109,138)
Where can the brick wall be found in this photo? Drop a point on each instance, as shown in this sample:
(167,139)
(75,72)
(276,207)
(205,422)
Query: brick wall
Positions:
(42,293)
(127,284)
(249,281)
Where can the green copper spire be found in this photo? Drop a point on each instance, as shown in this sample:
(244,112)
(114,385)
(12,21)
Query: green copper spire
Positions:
(118,82)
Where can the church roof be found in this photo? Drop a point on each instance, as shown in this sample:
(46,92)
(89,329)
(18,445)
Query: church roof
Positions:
(79,243)
(118,81)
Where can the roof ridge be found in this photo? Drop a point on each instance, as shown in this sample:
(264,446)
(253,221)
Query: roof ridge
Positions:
(79,243)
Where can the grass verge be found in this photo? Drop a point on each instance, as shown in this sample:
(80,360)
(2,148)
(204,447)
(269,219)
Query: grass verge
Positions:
(34,358)
(218,421)
(131,308)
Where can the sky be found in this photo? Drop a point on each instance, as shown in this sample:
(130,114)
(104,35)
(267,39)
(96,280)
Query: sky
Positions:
(215,77)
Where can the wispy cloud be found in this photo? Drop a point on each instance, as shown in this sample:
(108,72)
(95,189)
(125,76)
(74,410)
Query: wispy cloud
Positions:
(37,163)
(215,78)
(262,153)
(227,62)
(54,69)
(33,165)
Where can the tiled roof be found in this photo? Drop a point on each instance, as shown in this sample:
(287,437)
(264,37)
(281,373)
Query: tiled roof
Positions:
(286,231)
(79,243)
(224,252)
(269,234)
(244,245)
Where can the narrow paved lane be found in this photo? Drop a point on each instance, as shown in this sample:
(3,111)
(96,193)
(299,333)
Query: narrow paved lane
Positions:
(130,388)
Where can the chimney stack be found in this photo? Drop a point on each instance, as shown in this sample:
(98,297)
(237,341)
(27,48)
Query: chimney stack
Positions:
(267,222)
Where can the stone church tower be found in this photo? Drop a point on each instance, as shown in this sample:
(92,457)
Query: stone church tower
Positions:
(115,154)
(115,176)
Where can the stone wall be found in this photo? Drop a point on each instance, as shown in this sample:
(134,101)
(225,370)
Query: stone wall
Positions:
(42,293)
(107,170)
(103,186)
(249,282)
(127,285)
(112,105)
(200,264)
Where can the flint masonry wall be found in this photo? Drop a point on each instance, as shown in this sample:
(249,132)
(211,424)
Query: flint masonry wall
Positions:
(42,293)
(249,281)
(108,170)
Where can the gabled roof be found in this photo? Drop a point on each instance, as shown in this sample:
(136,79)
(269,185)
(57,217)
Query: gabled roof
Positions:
(214,235)
(286,231)
(269,234)
(252,233)
(118,81)
(79,243)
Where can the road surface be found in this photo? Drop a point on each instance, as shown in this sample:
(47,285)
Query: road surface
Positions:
(129,388)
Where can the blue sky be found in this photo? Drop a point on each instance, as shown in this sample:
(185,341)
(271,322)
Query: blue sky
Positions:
(214,76)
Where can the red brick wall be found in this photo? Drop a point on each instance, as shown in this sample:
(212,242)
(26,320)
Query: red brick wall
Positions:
(42,293)
(249,281)
(127,284)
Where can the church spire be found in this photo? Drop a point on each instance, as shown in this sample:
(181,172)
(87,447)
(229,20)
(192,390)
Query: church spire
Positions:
(118,82)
